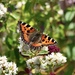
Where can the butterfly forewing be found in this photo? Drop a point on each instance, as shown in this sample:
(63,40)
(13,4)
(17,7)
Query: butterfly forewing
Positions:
(26,31)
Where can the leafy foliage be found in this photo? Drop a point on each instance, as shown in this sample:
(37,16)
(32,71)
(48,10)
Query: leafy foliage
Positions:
(44,15)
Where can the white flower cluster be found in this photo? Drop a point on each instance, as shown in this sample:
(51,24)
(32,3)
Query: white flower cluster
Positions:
(44,62)
(33,62)
(53,59)
(7,68)
(3,10)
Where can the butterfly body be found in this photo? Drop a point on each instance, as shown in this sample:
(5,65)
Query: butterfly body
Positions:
(33,37)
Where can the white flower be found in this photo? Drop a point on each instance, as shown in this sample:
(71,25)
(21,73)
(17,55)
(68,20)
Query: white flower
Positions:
(43,65)
(19,4)
(3,10)
(18,30)
(60,12)
(22,46)
(41,7)
(3,58)
(47,5)
(3,39)
(3,61)
(61,58)
(29,62)
(34,60)
(12,68)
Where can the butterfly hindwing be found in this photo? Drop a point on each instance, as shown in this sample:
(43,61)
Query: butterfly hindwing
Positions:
(46,40)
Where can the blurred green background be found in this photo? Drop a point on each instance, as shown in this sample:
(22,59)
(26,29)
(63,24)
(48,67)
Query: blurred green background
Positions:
(53,17)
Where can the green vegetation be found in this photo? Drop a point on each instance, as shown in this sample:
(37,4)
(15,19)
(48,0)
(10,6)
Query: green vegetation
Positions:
(44,15)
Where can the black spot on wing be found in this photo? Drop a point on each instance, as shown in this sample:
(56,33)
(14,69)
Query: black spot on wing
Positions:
(27,25)
(22,32)
(49,38)
(46,41)
(31,28)
(43,40)
(28,31)
(52,40)
(27,34)
(25,28)
(23,23)
(45,36)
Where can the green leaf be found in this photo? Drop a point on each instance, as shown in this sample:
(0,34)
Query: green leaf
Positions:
(71,26)
(69,15)
(73,53)
(43,52)
(27,6)
(14,16)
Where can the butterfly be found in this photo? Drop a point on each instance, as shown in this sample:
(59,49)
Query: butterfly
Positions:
(34,38)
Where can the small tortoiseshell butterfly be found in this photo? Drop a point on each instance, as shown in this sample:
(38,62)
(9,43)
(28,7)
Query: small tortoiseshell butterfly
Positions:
(33,37)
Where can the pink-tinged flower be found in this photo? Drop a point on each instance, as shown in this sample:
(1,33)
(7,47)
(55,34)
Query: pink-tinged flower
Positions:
(53,48)
(51,73)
